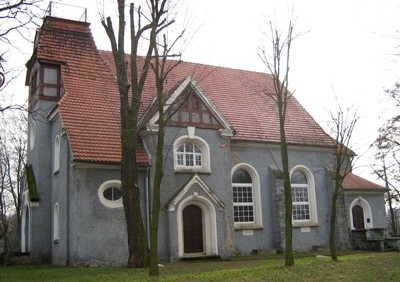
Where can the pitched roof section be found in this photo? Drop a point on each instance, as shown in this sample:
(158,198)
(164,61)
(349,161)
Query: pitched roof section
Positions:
(240,97)
(89,108)
(354,182)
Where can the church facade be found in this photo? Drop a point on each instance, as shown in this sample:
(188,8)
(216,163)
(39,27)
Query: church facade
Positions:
(222,191)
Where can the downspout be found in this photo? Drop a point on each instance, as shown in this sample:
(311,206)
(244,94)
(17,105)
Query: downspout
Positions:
(148,205)
(68,200)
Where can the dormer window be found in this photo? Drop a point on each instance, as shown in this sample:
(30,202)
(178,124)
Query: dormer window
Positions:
(46,82)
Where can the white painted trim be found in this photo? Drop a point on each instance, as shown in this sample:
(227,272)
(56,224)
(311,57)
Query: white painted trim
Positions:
(366,209)
(103,187)
(258,223)
(190,82)
(207,190)
(210,238)
(312,200)
(171,100)
(205,154)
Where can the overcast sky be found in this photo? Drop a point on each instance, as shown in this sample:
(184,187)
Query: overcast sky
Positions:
(347,49)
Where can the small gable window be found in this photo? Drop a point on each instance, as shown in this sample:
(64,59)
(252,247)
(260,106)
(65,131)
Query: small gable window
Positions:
(304,208)
(110,194)
(191,154)
(45,82)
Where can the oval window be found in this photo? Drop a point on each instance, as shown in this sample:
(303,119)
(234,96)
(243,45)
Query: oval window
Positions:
(110,194)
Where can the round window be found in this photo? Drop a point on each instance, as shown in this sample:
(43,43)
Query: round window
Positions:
(110,194)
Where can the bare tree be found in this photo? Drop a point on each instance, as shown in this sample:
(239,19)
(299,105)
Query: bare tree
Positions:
(156,22)
(18,16)
(388,155)
(278,65)
(161,67)
(17,19)
(12,162)
(343,124)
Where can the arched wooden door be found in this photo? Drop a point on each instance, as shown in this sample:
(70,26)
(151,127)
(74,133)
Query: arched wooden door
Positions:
(193,229)
(358,217)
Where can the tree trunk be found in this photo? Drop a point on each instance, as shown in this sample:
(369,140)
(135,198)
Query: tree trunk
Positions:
(160,78)
(332,243)
(389,195)
(156,203)
(137,242)
(289,260)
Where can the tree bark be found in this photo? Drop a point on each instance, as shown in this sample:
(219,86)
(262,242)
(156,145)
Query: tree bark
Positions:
(332,241)
(289,260)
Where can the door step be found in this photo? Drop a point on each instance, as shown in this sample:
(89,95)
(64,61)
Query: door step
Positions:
(202,258)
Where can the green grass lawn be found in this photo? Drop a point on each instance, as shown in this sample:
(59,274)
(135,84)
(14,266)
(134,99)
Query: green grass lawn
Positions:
(362,266)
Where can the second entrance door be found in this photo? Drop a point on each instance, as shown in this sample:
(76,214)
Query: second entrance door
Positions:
(193,229)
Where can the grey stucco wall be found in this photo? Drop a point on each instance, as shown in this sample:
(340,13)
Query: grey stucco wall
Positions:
(93,234)
(218,181)
(266,159)
(41,160)
(376,202)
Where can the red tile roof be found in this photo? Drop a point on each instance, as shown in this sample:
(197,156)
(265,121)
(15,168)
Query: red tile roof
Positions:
(239,96)
(354,182)
(89,108)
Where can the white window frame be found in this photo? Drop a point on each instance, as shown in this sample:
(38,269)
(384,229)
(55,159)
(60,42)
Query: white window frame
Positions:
(205,155)
(105,185)
(312,202)
(57,151)
(257,209)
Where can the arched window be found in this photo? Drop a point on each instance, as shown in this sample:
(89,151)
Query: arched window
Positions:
(32,134)
(246,197)
(243,205)
(110,194)
(191,154)
(56,165)
(56,226)
(304,209)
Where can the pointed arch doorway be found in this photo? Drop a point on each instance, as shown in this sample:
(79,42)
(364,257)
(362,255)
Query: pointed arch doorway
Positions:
(358,217)
(193,239)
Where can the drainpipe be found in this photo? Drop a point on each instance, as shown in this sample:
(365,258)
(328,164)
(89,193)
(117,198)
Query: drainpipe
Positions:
(68,200)
(148,204)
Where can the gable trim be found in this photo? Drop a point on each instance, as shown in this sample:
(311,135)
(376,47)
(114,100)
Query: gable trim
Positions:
(190,82)
(185,189)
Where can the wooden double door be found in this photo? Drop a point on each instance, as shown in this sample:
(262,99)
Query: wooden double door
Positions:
(193,236)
